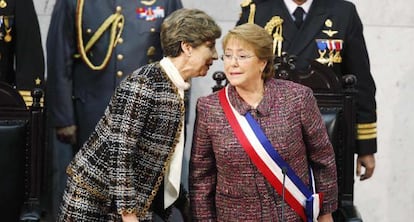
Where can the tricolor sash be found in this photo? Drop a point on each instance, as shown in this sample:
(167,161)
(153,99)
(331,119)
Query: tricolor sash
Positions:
(305,202)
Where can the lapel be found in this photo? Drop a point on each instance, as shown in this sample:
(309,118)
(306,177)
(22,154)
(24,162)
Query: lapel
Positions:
(306,34)
(289,27)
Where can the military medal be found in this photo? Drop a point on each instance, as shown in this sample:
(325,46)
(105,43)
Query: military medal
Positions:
(322,51)
(337,44)
(328,23)
(3,4)
(150,13)
(329,32)
(7,27)
(331,46)
(7,37)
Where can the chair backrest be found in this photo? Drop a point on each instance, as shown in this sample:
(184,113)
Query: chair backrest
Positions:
(335,97)
(22,148)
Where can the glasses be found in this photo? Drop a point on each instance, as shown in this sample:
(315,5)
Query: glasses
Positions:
(239,58)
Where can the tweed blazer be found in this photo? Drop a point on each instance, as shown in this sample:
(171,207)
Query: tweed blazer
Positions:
(121,164)
(224,183)
(329,20)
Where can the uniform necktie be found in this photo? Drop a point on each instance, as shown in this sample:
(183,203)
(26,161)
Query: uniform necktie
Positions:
(298,13)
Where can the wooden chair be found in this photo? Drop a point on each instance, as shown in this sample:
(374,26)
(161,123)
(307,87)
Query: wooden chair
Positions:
(335,97)
(21,160)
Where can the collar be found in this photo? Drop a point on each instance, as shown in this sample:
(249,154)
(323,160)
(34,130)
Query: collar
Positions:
(174,74)
(291,6)
(242,107)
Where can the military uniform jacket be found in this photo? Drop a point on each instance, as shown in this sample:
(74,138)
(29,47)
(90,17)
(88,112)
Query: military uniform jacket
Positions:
(21,53)
(78,94)
(121,166)
(328,24)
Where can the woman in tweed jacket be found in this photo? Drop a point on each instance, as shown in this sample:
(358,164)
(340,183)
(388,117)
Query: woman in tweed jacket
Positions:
(225,185)
(136,148)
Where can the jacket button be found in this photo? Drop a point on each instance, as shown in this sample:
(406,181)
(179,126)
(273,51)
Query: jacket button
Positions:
(120,57)
(119,74)
(118,8)
(120,40)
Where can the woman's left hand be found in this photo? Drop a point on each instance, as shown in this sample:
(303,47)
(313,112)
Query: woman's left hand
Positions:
(325,218)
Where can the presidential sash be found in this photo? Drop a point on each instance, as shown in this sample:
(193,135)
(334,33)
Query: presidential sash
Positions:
(305,202)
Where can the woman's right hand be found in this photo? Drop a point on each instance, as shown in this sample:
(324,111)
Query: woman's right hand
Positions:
(67,134)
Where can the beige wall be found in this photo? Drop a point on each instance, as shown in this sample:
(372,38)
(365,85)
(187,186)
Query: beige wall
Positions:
(389,32)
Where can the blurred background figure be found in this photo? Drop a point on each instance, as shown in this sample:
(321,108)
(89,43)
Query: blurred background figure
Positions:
(92,46)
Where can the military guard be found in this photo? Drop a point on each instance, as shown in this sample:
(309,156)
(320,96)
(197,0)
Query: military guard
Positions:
(21,54)
(92,46)
(331,33)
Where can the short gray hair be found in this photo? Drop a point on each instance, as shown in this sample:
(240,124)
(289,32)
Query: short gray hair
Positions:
(191,26)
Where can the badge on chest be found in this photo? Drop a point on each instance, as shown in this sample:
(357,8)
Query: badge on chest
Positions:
(6,23)
(329,49)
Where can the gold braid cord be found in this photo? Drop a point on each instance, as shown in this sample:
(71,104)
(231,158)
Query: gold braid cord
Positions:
(252,13)
(274,28)
(115,21)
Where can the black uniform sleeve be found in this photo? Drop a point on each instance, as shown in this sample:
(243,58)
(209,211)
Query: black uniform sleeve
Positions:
(356,62)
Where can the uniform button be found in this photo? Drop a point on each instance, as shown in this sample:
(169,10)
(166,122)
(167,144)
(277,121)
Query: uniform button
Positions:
(120,40)
(120,57)
(118,8)
(152,29)
(89,31)
(119,74)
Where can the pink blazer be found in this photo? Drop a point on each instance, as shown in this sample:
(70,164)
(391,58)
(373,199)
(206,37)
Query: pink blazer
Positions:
(224,183)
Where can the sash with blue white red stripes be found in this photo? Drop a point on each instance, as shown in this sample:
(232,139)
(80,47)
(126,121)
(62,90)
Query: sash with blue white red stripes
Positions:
(305,202)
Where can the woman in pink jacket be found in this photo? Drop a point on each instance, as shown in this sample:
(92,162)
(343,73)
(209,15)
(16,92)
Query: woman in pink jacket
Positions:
(256,142)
